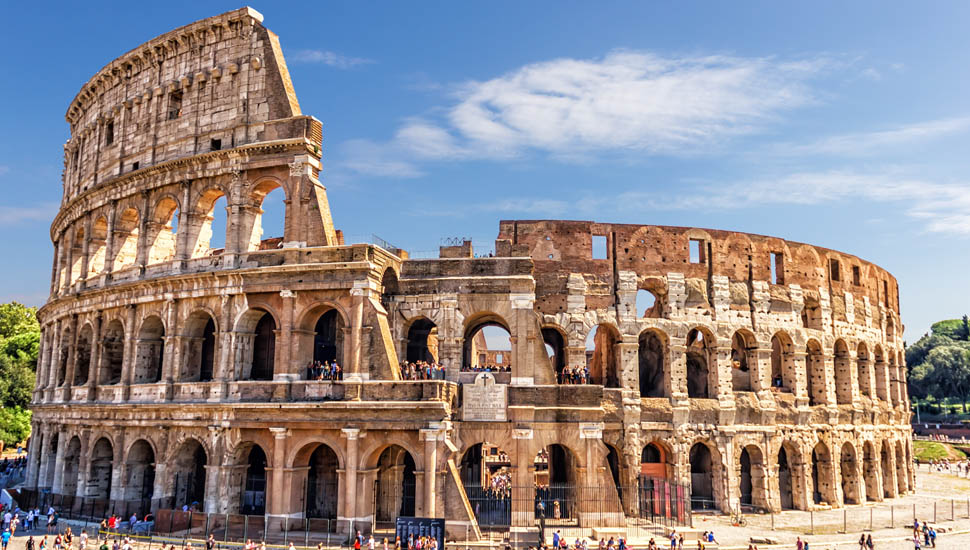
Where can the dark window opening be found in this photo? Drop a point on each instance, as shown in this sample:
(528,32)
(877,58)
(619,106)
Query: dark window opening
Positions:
(109,133)
(174,105)
(778,268)
(215,144)
(600,251)
(885,293)
(134,166)
(697,253)
(856,275)
(834,271)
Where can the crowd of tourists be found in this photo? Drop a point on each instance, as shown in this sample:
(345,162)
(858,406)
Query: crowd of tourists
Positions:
(947,466)
(559,542)
(922,532)
(487,368)
(325,371)
(12,471)
(422,370)
(574,375)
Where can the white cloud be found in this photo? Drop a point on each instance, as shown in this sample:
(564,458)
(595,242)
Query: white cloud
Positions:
(366,157)
(332,59)
(866,143)
(941,207)
(13,215)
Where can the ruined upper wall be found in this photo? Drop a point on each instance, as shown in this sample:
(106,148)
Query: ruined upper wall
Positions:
(208,85)
(559,248)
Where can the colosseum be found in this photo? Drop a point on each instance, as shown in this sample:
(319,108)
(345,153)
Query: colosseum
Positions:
(647,370)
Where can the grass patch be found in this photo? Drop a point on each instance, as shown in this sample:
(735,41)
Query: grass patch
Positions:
(934,450)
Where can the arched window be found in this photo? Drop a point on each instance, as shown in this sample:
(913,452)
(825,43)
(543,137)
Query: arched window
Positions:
(601,356)
(815,375)
(782,362)
(207,230)
(864,370)
(740,364)
(264,349)
(77,255)
(647,305)
(422,341)
(555,345)
(126,239)
(265,223)
(328,338)
(162,231)
(488,345)
(149,351)
(652,360)
(698,369)
(96,246)
(82,363)
(200,348)
(843,374)
(112,353)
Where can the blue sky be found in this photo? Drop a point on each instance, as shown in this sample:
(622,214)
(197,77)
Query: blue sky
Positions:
(842,124)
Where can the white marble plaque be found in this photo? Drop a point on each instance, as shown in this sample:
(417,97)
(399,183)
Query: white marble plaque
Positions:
(485,401)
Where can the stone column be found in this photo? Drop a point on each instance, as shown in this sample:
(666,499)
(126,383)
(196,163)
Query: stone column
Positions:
(285,370)
(523,340)
(523,480)
(55,360)
(723,377)
(71,360)
(800,359)
(182,251)
(41,366)
(37,441)
(430,437)
(141,254)
(677,375)
(277,490)
(216,476)
(128,362)
(360,292)
(86,248)
(84,464)
(57,487)
(119,481)
(110,240)
(95,363)
(350,478)
(56,270)
(223,368)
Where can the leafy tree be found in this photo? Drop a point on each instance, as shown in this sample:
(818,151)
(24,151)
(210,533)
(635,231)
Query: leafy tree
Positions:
(19,347)
(951,371)
(14,425)
(963,333)
(16,318)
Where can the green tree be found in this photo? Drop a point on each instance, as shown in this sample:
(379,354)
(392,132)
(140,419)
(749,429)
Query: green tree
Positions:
(16,318)
(964,332)
(19,346)
(951,371)
(14,425)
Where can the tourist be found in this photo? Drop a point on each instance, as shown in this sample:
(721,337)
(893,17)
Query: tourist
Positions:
(869,541)
(83,544)
(291,546)
(5,538)
(799,545)
(210,543)
(370,542)
(384,544)
(862,542)
(933,537)
(29,545)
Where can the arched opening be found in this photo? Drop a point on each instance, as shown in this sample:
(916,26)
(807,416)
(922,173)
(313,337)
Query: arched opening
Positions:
(395,484)
(698,360)
(162,231)
(71,466)
(882,375)
(601,357)
(48,476)
(100,470)
(655,461)
(864,370)
(328,338)
(388,288)
(752,478)
(655,493)
(613,461)
(894,386)
(82,361)
(321,484)
(785,489)
(843,374)
(140,473)
(486,474)
(200,348)
(823,491)
(887,470)
(149,351)
(189,476)
(782,362)
(269,214)
(112,353)
(77,255)
(422,341)
(126,239)
(253,502)
(207,231)
(815,374)
(812,313)
(701,478)
(651,359)
(487,345)
(555,481)
(870,471)
(97,246)
(262,363)
(740,364)
(901,476)
(64,354)
(646,304)
(555,344)
(848,468)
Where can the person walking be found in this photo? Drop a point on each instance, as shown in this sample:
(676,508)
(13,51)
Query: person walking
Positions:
(5,538)
(799,545)
(869,541)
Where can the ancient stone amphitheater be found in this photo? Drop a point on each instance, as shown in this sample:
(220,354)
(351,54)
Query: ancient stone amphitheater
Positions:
(725,369)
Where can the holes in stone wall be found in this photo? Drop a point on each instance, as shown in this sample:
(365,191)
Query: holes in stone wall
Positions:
(835,270)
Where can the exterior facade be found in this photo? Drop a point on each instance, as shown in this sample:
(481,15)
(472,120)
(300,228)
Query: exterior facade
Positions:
(760,372)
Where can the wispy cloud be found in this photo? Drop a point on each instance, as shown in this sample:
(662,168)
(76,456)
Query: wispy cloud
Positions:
(626,101)
(4,169)
(877,142)
(13,215)
(331,59)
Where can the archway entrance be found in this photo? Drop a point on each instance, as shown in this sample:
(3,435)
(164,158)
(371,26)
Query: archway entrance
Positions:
(264,349)
(82,363)
(746,485)
(785,492)
(752,478)
(848,468)
(189,476)
(698,373)
(555,481)
(395,488)
(555,345)
(870,471)
(650,355)
(140,472)
(99,473)
(321,484)
(822,488)
(740,366)
(253,502)
(887,470)
(486,475)
(487,346)
(422,341)
(328,338)
(701,478)
(601,357)
(72,461)
(149,351)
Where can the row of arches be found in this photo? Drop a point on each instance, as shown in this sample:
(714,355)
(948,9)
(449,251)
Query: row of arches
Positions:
(163,230)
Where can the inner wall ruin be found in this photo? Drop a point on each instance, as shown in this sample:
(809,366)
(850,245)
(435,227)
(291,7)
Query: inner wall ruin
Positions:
(742,369)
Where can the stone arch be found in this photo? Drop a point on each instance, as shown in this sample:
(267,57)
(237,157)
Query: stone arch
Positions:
(657,460)
(82,355)
(783,374)
(71,466)
(149,351)
(743,360)
(100,469)
(554,340)
(317,464)
(77,255)
(701,363)
(864,370)
(127,226)
(822,475)
(251,219)
(422,340)
(389,286)
(870,472)
(140,473)
(188,463)
(257,328)
(652,358)
(112,353)
(64,353)
(556,477)
(249,478)
(888,479)
(474,347)
(328,337)
(704,461)
(97,242)
(202,221)
(849,474)
(815,373)
(843,373)
(789,482)
(162,230)
(882,381)
(200,347)
(485,471)
(603,360)
(752,477)
(395,488)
